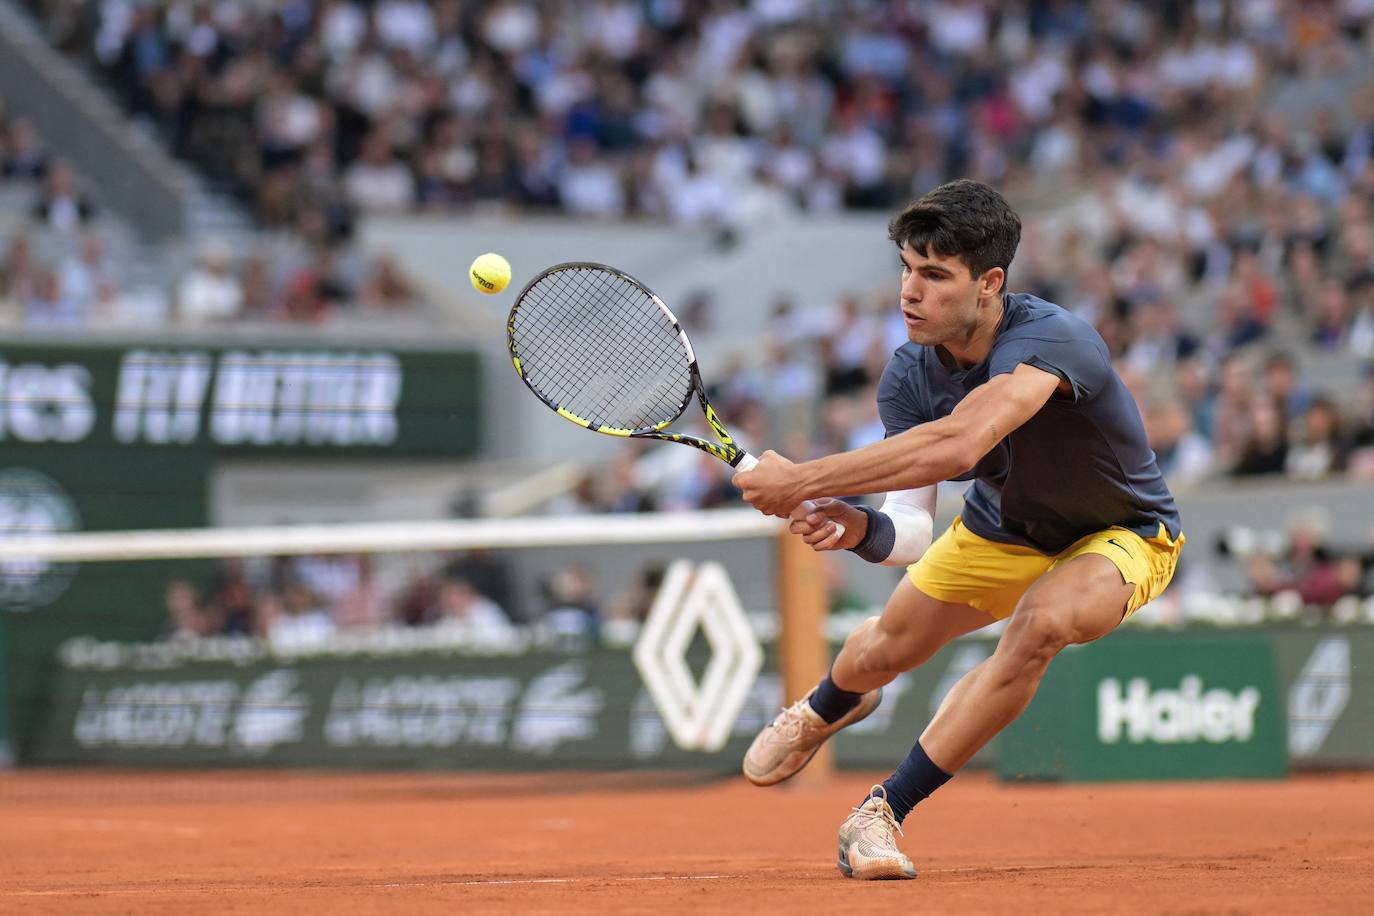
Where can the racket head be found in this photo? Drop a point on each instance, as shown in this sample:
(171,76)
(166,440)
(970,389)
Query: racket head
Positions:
(601,349)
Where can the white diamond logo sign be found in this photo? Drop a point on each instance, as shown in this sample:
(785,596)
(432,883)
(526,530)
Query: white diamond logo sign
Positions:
(698,716)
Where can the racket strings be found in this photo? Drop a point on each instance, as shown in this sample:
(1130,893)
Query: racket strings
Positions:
(598,345)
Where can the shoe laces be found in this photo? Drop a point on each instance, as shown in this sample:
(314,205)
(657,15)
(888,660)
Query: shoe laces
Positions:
(791,720)
(879,814)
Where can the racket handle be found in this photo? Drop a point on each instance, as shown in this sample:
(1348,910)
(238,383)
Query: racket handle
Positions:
(747,462)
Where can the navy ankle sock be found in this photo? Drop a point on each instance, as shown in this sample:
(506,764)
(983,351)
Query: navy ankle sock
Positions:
(914,780)
(830,702)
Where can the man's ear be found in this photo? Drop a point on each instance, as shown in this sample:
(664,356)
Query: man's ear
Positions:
(991,282)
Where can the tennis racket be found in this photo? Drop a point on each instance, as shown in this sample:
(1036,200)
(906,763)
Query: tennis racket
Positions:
(600,349)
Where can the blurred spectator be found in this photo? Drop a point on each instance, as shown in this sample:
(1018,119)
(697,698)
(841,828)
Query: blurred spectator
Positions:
(1224,418)
(62,206)
(1184,456)
(1318,448)
(1160,340)
(1330,320)
(1236,325)
(846,346)
(233,597)
(386,287)
(590,187)
(19,270)
(187,616)
(624,488)
(638,598)
(24,156)
(572,611)
(1362,429)
(1265,449)
(82,276)
(489,573)
(315,290)
(1307,566)
(1281,383)
(1361,336)
(378,182)
(209,292)
(297,619)
(47,307)
(461,605)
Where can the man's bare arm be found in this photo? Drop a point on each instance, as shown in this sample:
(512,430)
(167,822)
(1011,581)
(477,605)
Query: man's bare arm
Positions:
(938,450)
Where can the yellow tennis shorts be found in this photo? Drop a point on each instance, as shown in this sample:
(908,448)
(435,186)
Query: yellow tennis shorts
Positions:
(964,568)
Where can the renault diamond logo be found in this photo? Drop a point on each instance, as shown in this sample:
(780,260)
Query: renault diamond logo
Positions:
(698,716)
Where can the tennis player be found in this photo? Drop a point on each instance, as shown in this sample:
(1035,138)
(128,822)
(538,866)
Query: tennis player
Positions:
(1067,528)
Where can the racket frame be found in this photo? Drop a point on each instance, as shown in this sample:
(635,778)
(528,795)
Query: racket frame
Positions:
(726,449)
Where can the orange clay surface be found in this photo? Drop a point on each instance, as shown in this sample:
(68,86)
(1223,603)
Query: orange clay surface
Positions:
(267,842)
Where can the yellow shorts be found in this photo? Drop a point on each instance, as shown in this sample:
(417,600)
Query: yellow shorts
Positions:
(964,568)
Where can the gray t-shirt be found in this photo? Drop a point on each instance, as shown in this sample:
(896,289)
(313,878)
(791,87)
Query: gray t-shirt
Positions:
(1080,465)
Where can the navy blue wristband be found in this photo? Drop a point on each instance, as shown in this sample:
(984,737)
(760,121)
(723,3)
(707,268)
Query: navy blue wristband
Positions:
(880,538)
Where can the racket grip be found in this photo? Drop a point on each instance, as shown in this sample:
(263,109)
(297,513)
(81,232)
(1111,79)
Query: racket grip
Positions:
(746,462)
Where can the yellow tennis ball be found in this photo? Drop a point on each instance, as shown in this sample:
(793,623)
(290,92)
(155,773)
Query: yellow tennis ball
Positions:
(490,273)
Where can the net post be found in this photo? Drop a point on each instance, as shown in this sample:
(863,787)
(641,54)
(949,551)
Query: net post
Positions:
(803,656)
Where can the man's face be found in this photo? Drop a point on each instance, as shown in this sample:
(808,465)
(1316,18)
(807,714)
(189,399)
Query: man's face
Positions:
(939,297)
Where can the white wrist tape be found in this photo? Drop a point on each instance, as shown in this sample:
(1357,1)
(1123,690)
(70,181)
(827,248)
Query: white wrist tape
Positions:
(913,517)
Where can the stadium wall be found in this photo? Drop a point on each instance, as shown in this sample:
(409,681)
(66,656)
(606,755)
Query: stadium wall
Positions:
(121,436)
(440,708)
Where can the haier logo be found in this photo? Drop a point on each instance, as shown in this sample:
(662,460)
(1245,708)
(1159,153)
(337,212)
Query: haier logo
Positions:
(1170,716)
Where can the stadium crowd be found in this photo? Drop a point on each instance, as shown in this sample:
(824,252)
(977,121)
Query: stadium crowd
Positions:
(58,267)
(300,602)
(717,111)
(1218,240)
(1168,199)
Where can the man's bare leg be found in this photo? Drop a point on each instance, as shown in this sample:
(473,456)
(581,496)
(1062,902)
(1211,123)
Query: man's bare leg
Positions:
(1078,602)
(912,628)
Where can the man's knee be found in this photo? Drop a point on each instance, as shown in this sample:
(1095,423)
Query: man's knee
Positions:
(1036,634)
(881,646)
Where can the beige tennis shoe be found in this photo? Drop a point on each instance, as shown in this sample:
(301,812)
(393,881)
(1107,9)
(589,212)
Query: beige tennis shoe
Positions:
(868,842)
(788,744)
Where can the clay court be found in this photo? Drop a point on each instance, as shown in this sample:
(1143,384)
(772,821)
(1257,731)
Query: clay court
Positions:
(101,842)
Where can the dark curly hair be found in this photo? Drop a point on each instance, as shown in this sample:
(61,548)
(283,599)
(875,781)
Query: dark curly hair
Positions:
(964,219)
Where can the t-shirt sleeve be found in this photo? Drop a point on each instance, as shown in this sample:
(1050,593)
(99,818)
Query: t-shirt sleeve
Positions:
(897,400)
(1075,354)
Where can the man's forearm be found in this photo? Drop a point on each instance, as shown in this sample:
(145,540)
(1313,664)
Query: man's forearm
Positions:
(919,457)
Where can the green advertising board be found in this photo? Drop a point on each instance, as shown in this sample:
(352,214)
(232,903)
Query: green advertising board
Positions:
(51,489)
(419,709)
(110,437)
(424,710)
(245,706)
(1329,678)
(359,400)
(1149,706)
